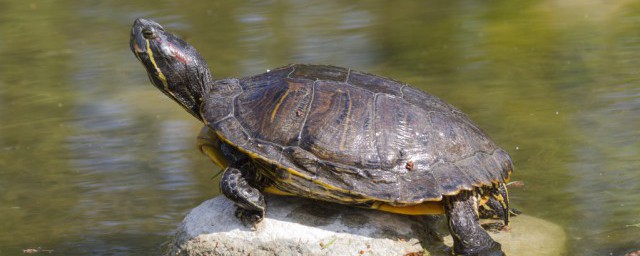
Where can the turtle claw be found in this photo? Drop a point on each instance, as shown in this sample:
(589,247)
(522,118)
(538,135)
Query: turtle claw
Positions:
(495,227)
(249,218)
(249,201)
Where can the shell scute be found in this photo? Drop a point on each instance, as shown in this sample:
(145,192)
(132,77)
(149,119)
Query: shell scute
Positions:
(347,136)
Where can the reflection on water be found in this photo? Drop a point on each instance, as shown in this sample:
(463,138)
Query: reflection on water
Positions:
(94,160)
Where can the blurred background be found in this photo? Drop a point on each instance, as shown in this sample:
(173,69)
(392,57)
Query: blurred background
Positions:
(95,160)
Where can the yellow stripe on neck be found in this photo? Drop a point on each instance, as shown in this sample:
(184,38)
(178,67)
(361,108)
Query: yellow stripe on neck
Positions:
(155,65)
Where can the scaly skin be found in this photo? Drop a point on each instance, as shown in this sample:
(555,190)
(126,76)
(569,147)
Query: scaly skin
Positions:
(179,71)
(249,200)
(469,238)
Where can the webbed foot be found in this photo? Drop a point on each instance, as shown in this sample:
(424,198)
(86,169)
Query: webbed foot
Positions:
(248,199)
(249,218)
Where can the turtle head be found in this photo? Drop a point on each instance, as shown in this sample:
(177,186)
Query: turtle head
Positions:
(173,66)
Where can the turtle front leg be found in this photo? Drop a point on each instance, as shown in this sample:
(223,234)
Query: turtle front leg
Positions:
(469,238)
(248,199)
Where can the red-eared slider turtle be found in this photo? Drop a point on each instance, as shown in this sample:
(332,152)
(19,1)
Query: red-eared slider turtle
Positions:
(334,134)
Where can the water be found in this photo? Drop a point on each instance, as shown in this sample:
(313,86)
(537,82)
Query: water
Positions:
(94,160)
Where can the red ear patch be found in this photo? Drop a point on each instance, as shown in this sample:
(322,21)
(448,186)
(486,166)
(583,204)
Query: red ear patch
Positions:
(179,55)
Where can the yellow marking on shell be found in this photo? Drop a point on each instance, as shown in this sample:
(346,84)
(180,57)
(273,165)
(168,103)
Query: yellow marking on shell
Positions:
(426,208)
(296,173)
(364,198)
(343,139)
(423,207)
(276,191)
(275,110)
(155,65)
(509,171)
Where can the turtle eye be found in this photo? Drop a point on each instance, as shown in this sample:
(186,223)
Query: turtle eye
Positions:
(148,33)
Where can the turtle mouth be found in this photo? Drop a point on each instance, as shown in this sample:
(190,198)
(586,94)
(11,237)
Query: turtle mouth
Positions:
(143,34)
(142,31)
(135,47)
(137,43)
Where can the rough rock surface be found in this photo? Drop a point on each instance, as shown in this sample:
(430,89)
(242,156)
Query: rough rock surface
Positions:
(297,226)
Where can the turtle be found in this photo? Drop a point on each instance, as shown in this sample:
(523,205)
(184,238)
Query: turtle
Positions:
(334,134)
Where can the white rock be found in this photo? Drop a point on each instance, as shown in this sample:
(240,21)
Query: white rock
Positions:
(298,226)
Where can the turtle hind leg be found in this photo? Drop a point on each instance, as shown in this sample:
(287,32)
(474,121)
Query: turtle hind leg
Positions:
(497,205)
(469,238)
(502,196)
(249,200)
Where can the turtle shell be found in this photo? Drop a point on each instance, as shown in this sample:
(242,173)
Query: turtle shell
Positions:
(346,136)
